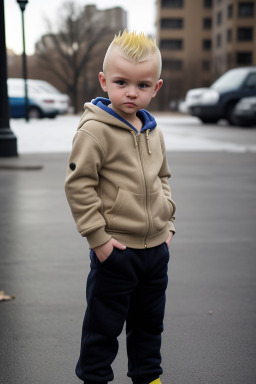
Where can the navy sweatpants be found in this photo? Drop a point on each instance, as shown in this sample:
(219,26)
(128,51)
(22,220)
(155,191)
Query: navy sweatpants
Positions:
(129,286)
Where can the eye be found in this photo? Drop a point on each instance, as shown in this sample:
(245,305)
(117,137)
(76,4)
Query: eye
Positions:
(142,85)
(120,82)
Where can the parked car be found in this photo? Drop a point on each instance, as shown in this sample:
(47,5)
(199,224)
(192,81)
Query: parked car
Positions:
(245,111)
(44,100)
(219,100)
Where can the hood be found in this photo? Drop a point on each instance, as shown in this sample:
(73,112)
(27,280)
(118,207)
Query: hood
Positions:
(98,110)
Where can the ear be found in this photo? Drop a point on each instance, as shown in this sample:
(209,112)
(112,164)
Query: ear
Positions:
(102,80)
(157,87)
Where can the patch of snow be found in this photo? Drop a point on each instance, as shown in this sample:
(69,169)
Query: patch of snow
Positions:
(181,133)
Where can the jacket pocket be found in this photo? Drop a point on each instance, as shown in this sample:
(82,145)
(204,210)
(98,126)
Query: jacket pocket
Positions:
(160,210)
(128,213)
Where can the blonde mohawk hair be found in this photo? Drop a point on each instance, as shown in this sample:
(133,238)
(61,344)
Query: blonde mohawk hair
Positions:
(135,46)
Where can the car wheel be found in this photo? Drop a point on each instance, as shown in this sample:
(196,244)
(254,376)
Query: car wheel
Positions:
(230,116)
(34,113)
(208,121)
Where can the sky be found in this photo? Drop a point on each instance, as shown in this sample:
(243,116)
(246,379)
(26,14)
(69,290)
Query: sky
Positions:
(37,10)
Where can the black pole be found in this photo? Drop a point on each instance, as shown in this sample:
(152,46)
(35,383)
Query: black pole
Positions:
(8,141)
(22,4)
(24,59)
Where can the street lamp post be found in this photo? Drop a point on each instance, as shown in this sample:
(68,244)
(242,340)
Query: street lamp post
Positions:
(8,141)
(22,4)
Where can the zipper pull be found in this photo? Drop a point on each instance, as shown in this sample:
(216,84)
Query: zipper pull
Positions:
(137,137)
(147,137)
(134,137)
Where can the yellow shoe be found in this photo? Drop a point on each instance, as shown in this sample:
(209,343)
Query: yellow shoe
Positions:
(157,381)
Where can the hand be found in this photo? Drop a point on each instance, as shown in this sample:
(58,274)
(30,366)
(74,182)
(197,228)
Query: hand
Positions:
(104,250)
(169,239)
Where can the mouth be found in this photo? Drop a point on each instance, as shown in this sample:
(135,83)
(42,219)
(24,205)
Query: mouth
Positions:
(130,104)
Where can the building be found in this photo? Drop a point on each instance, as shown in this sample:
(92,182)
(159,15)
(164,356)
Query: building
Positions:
(115,18)
(201,39)
(233,35)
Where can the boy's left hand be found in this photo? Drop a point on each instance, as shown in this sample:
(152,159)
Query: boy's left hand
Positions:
(169,239)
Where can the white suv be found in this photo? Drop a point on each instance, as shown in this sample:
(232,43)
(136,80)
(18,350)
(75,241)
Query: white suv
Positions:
(44,100)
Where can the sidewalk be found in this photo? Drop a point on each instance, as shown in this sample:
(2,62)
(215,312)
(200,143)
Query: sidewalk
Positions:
(181,133)
(210,333)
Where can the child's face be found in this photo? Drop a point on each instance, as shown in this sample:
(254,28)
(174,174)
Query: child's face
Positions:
(130,86)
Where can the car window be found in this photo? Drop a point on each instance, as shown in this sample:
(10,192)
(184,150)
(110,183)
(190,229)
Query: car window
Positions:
(32,90)
(230,80)
(251,81)
(15,90)
(48,88)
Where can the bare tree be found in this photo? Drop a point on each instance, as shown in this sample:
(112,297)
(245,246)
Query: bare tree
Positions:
(67,51)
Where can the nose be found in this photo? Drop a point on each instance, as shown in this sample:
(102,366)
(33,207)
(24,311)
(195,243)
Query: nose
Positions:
(131,91)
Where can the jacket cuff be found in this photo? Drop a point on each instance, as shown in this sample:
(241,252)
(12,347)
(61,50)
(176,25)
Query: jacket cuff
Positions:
(171,227)
(97,238)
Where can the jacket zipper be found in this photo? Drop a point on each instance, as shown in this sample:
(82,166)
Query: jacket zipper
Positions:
(145,182)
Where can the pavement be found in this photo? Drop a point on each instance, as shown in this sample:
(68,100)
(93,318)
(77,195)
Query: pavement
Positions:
(210,323)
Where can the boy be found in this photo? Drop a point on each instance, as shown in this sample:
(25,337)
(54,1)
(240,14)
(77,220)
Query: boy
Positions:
(117,188)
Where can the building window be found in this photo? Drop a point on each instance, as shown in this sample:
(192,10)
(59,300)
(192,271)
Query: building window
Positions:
(218,40)
(207,44)
(207,23)
(229,35)
(246,9)
(207,3)
(219,18)
(244,34)
(230,11)
(172,23)
(171,44)
(206,65)
(173,65)
(172,3)
(244,58)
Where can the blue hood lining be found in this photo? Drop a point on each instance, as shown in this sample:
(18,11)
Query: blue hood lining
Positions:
(148,121)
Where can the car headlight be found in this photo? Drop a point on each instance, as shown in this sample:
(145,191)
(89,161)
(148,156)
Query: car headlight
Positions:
(210,97)
(246,105)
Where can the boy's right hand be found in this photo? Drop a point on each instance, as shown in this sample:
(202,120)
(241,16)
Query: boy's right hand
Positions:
(104,250)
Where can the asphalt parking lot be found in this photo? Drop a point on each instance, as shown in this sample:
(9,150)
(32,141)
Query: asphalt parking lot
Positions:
(210,333)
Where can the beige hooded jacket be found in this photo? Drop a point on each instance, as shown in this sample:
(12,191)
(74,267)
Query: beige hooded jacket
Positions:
(117,179)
